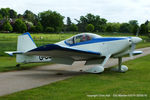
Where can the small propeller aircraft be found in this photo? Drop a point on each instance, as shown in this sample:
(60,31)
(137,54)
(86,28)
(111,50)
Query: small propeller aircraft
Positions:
(89,47)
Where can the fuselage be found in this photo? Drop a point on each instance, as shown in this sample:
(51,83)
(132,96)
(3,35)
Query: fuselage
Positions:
(102,45)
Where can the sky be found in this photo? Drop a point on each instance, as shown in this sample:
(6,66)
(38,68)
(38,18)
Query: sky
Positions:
(112,10)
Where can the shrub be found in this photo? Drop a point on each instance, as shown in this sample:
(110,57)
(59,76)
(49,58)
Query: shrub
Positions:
(20,26)
(49,29)
(90,28)
(7,26)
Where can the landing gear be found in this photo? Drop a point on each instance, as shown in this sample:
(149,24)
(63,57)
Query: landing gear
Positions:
(121,68)
(96,69)
(99,68)
(119,64)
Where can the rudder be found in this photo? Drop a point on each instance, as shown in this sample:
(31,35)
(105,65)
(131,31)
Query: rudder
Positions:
(25,43)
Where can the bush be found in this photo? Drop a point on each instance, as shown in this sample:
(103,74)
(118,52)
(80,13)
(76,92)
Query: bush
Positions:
(7,26)
(73,27)
(90,28)
(20,26)
(51,19)
(39,27)
(33,29)
(49,29)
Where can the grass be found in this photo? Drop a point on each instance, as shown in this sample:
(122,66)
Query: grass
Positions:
(135,81)
(9,63)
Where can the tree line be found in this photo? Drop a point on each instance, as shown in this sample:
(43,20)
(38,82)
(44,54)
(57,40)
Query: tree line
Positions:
(52,21)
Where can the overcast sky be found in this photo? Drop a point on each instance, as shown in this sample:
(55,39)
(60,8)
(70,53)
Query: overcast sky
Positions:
(112,10)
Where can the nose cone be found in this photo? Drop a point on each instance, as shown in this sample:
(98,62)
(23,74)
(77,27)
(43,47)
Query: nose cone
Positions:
(136,40)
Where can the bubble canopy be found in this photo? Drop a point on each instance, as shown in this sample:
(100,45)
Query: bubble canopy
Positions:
(82,37)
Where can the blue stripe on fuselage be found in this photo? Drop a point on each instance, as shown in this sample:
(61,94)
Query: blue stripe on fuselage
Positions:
(51,47)
(96,40)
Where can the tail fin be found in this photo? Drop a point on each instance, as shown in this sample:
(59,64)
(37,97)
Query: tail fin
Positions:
(25,43)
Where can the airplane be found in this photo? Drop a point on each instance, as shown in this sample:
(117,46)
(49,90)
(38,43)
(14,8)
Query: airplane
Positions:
(92,48)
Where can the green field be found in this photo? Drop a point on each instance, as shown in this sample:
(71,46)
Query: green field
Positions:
(9,63)
(134,82)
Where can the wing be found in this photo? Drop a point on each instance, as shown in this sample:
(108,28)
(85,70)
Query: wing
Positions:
(54,50)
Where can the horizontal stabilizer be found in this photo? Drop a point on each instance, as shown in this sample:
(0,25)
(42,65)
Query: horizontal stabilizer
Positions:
(11,53)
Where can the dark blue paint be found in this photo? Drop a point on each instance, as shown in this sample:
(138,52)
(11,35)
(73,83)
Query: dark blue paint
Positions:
(51,47)
(27,33)
(96,40)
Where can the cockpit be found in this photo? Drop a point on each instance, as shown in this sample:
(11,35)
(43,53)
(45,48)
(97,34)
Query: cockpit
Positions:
(81,38)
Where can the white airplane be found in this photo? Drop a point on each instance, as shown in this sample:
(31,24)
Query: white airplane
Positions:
(89,47)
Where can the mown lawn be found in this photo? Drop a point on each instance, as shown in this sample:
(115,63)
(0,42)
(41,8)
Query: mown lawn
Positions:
(9,64)
(136,81)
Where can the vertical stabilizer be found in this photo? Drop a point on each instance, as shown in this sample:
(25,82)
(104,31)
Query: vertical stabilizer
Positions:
(25,43)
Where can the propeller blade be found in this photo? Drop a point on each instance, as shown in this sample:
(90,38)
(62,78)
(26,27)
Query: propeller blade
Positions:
(131,50)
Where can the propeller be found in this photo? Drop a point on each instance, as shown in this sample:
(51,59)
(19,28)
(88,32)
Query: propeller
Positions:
(134,41)
(132,50)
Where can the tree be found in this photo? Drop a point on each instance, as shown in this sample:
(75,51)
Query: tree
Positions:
(51,19)
(73,27)
(7,26)
(49,29)
(89,27)
(12,13)
(135,29)
(20,26)
(133,24)
(20,16)
(115,27)
(148,25)
(69,23)
(124,27)
(32,29)
(143,29)
(39,27)
(1,17)
(109,27)
(30,16)
(4,12)
(96,21)
(28,24)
